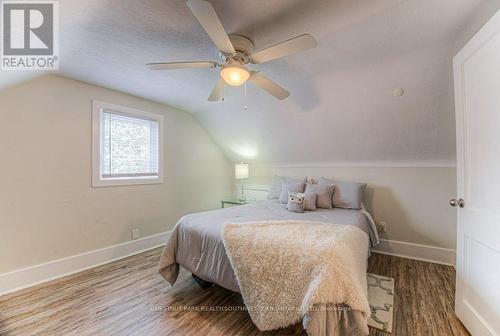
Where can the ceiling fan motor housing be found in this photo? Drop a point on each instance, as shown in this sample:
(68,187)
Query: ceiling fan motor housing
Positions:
(244,48)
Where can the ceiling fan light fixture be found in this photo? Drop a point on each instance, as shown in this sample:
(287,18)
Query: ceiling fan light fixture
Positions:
(234,74)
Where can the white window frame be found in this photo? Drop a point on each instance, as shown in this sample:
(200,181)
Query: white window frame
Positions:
(97,180)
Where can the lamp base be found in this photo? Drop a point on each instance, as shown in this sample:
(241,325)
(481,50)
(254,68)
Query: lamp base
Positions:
(242,197)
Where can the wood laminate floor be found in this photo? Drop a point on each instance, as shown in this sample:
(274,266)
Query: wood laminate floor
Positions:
(128,297)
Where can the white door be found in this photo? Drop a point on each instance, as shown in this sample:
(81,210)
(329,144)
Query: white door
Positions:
(477,98)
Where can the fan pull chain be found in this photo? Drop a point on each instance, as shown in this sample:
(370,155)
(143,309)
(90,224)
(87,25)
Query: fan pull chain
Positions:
(245,107)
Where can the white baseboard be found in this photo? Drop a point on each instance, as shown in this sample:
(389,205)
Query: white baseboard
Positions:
(34,275)
(427,253)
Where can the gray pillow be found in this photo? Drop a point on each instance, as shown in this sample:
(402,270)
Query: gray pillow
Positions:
(295,202)
(295,187)
(277,184)
(324,194)
(310,200)
(347,195)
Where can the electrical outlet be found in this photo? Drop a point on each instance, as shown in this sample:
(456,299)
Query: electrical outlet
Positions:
(381,227)
(135,234)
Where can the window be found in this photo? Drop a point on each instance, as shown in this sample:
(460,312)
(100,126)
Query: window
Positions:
(126,146)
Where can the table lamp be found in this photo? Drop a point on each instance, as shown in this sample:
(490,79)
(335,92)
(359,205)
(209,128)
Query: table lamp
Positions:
(241,172)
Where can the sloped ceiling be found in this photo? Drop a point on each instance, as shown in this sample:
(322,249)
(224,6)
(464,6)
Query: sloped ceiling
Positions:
(341,109)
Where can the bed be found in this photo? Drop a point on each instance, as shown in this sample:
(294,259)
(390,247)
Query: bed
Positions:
(196,242)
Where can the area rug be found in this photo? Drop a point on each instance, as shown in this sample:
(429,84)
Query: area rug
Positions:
(381,299)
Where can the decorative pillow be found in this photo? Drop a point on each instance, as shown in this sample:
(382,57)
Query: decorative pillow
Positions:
(347,195)
(277,183)
(295,202)
(296,187)
(324,194)
(310,200)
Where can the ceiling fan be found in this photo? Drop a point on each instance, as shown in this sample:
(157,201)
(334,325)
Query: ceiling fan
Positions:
(236,51)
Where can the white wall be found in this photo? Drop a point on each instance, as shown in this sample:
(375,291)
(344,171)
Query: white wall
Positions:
(48,209)
(412,200)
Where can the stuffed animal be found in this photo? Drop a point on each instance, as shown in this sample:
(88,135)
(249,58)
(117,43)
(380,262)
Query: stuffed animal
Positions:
(295,202)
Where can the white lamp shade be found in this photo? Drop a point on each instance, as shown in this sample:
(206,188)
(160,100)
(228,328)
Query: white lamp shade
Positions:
(234,74)
(241,170)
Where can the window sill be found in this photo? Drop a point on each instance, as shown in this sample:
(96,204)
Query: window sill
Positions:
(124,181)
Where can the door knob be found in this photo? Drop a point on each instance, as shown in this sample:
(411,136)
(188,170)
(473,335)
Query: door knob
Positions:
(457,202)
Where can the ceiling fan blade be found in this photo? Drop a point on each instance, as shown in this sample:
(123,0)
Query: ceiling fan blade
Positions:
(181,65)
(288,47)
(268,85)
(218,91)
(207,17)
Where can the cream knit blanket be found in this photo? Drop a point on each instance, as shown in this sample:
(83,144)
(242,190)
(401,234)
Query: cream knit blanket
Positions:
(285,268)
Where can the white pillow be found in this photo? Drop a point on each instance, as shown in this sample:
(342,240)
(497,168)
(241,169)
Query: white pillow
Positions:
(347,195)
(324,194)
(277,183)
(309,200)
(294,187)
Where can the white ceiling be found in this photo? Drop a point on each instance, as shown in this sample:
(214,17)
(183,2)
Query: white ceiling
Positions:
(341,109)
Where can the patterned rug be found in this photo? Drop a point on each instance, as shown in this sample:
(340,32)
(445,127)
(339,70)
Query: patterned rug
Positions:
(381,298)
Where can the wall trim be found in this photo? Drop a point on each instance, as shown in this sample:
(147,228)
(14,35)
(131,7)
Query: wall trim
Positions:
(37,274)
(434,254)
(422,164)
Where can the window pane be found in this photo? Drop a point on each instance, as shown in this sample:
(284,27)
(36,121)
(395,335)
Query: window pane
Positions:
(129,146)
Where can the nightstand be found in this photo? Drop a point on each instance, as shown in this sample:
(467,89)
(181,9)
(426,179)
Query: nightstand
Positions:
(232,202)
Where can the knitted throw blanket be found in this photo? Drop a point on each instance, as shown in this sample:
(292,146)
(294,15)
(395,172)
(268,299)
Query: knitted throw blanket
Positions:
(285,268)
